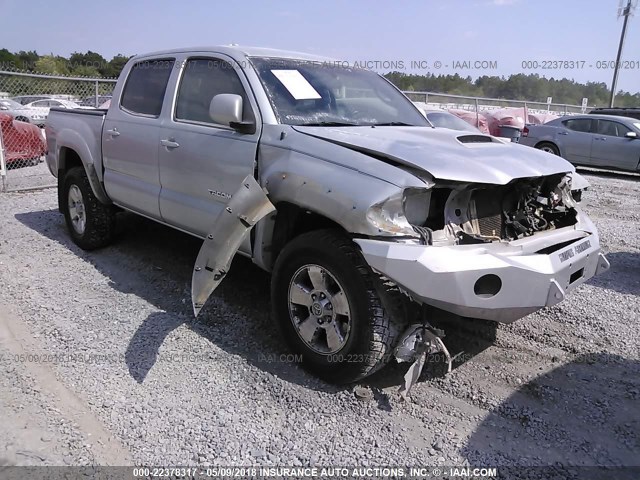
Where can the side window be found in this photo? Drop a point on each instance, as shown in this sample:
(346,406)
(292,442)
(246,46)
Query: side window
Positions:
(612,129)
(146,85)
(203,79)
(621,129)
(578,124)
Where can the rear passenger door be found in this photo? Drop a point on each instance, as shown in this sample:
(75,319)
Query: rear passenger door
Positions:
(130,137)
(575,139)
(203,163)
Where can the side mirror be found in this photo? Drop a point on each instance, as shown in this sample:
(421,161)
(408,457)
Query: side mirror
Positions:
(226,109)
(631,135)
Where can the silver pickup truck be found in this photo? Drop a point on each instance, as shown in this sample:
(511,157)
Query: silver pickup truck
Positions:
(368,217)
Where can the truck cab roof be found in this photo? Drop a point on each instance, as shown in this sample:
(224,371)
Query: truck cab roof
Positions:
(238,52)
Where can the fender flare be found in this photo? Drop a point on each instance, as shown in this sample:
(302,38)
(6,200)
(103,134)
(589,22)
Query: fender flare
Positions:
(68,139)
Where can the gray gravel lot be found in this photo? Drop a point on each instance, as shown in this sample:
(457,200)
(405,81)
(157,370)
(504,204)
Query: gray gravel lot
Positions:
(114,332)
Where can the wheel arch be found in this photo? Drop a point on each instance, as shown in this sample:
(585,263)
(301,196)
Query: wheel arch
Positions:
(290,221)
(68,158)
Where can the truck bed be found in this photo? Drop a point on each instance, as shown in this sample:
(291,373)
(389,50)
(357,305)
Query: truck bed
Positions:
(78,129)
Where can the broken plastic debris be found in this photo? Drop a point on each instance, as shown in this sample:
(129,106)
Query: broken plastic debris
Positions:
(362,393)
(418,341)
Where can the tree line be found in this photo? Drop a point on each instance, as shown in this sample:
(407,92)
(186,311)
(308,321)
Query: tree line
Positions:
(530,87)
(89,64)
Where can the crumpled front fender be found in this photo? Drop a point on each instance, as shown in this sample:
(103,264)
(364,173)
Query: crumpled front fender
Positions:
(248,205)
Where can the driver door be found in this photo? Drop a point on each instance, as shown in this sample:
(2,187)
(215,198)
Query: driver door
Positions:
(203,163)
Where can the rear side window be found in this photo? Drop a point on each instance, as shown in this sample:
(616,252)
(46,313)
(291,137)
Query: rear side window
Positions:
(144,91)
(203,79)
(578,124)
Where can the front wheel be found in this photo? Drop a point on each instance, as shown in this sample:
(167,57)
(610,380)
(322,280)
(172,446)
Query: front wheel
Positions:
(91,224)
(549,148)
(325,298)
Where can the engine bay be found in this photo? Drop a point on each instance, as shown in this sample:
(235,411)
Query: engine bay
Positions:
(471,214)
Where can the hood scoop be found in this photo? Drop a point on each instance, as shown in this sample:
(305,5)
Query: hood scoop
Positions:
(476,139)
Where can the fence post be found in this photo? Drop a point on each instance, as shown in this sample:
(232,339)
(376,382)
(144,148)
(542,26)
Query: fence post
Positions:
(97,92)
(3,166)
(477,114)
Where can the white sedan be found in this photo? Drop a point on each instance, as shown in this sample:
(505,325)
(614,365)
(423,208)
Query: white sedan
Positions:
(55,102)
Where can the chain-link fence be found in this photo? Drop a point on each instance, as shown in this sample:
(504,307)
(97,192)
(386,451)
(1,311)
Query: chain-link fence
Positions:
(25,101)
(481,104)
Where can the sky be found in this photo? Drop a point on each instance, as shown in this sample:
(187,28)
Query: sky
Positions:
(469,37)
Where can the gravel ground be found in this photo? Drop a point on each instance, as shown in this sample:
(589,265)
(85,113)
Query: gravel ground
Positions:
(26,176)
(121,373)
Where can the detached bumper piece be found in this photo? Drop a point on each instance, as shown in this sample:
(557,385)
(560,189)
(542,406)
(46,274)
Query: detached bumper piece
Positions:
(501,282)
(247,206)
(418,341)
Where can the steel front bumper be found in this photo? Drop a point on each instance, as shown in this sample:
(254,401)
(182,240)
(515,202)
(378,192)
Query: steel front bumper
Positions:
(501,282)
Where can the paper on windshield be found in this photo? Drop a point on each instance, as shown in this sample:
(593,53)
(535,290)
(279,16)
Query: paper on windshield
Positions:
(297,85)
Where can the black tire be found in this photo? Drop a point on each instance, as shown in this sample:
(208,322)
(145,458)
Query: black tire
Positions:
(548,147)
(372,335)
(99,219)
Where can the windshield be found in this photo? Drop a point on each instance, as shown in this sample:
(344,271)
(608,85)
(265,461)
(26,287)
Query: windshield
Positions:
(11,104)
(448,120)
(315,93)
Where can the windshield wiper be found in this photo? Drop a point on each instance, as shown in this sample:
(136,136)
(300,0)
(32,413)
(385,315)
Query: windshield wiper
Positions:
(329,124)
(393,124)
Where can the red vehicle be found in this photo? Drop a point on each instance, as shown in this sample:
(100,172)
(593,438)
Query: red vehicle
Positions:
(23,143)
(479,121)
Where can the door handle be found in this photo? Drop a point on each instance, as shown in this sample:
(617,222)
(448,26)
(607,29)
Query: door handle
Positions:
(563,133)
(113,132)
(167,142)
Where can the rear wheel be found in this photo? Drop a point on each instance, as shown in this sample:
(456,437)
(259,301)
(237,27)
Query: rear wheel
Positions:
(548,147)
(328,305)
(91,224)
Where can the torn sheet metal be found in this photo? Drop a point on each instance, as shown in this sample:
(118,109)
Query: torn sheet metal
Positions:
(248,205)
(418,341)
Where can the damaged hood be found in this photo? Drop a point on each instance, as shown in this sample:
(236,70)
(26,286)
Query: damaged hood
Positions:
(445,154)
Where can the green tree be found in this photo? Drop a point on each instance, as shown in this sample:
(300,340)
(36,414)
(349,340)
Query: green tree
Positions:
(52,65)
(26,60)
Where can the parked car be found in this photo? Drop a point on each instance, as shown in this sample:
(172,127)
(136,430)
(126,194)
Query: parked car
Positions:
(366,215)
(444,119)
(36,116)
(53,102)
(633,112)
(477,120)
(24,99)
(506,122)
(593,140)
(91,101)
(23,143)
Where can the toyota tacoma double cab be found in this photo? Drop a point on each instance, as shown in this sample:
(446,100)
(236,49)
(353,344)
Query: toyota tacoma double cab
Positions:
(368,217)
